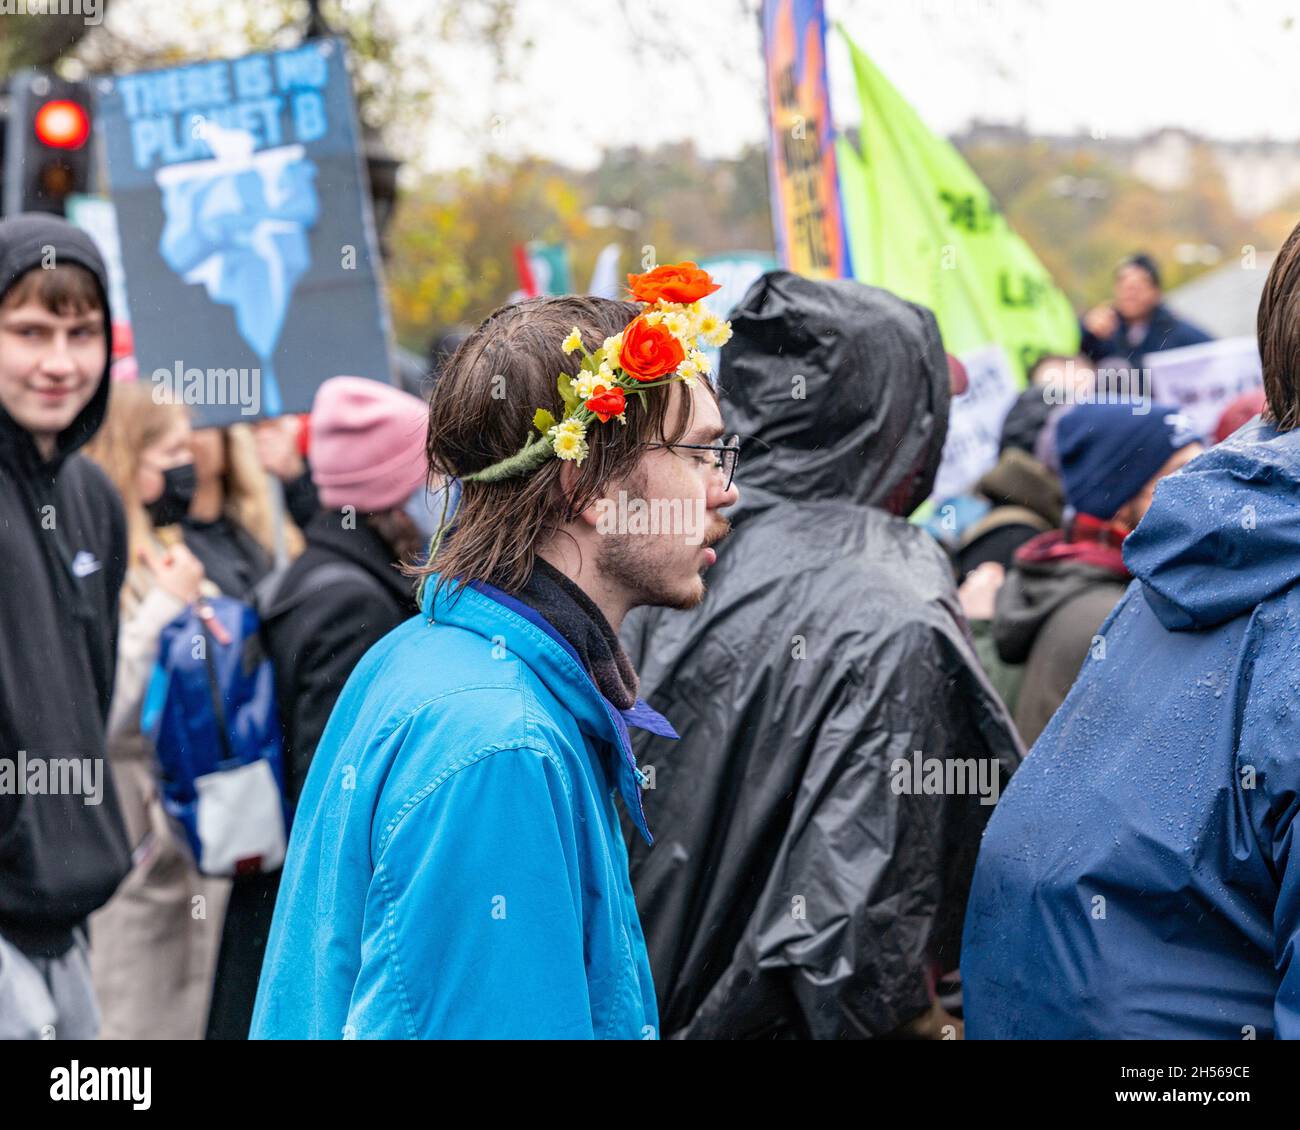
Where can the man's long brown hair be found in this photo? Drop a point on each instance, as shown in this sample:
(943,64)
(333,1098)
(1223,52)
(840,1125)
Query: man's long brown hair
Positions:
(482,411)
(1278,325)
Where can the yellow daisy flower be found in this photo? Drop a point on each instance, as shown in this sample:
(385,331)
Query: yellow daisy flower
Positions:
(679,325)
(720,336)
(570,444)
(573,342)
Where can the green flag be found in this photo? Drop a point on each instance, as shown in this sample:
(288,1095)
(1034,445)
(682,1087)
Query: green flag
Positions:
(923,226)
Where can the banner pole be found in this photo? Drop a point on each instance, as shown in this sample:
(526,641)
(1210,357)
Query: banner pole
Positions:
(279,539)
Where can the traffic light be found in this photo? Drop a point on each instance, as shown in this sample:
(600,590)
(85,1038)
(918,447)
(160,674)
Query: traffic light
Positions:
(47,152)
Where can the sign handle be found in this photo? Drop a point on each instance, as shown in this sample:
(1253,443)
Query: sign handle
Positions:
(278,537)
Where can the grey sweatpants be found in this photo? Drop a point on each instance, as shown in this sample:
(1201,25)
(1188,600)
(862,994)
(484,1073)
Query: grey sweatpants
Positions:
(47,998)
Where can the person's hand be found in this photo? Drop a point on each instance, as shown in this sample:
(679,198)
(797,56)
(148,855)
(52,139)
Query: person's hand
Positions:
(176,570)
(1101,321)
(277,447)
(979,591)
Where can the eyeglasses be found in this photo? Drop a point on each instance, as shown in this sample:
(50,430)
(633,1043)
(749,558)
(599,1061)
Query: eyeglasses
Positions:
(726,455)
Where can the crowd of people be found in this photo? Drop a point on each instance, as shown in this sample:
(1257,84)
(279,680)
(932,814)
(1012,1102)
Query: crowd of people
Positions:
(755,767)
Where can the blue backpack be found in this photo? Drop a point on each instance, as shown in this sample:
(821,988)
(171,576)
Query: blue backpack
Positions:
(210,711)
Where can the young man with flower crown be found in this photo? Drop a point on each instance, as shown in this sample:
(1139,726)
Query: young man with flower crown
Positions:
(457,867)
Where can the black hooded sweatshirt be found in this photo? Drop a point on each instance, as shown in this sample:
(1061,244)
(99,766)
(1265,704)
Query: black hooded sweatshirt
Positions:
(62,562)
(791,891)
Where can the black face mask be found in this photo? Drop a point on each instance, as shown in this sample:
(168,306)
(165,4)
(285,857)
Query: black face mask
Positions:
(179,485)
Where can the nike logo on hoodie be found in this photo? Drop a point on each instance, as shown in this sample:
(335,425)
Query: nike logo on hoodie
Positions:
(85,563)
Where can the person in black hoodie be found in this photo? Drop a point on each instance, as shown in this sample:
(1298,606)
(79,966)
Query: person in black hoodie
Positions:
(63,846)
(339,598)
(804,883)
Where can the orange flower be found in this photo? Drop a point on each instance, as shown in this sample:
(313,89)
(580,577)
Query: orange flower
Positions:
(607,402)
(673,282)
(649,351)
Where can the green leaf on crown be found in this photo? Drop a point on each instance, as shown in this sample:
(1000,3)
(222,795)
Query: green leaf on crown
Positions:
(567,394)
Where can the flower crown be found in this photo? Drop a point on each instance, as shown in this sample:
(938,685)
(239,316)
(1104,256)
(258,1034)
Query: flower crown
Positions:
(659,346)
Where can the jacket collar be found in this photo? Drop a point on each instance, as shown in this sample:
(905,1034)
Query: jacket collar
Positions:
(486,610)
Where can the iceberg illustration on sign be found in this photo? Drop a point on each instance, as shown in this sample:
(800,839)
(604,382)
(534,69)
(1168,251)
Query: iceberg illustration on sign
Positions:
(238,224)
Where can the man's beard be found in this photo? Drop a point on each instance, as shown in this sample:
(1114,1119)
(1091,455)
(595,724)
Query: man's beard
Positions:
(651,578)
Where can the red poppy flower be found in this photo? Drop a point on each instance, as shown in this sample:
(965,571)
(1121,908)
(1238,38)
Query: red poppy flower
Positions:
(607,402)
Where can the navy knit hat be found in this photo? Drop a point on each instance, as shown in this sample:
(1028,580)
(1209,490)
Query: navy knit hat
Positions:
(1108,453)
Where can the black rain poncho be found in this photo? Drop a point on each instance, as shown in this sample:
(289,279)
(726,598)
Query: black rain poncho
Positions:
(791,891)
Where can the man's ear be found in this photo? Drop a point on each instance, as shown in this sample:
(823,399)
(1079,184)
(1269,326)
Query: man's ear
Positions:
(569,473)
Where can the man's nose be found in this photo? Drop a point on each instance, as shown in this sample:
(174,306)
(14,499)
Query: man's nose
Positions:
(57,361)
(720,499)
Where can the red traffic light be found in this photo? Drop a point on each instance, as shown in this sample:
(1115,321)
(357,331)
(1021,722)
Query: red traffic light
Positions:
(62,124)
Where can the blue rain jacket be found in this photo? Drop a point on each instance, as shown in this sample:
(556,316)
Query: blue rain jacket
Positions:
(456,867)
(1140,876)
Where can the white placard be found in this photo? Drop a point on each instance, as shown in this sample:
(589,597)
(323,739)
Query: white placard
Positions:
(975,422)
(1202,380)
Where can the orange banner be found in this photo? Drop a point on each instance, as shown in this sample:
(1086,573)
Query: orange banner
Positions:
(806,211)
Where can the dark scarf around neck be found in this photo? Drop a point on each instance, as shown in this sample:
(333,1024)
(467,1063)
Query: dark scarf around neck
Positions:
(573,614)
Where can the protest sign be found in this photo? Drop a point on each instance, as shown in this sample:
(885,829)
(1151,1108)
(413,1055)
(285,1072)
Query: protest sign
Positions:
(1202,380)
(734,272)
(98,219)
(975,421)
(247,236)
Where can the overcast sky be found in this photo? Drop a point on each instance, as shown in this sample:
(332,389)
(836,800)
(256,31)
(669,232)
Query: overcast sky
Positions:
(1225,68)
